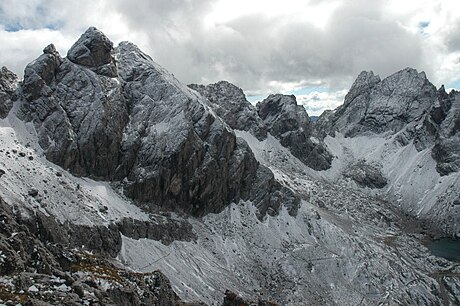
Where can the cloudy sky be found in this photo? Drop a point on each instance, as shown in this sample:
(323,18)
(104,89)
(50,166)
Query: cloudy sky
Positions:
(312,48)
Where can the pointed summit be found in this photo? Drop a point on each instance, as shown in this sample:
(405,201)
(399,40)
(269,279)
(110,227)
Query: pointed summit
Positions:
(379,106)
(231,105)
(94,50)
(365,81)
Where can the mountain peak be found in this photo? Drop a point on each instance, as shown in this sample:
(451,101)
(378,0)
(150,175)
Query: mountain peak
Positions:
(407,77)
(230,103)
(94,50)
(378,106)
(50,49)
(364,82)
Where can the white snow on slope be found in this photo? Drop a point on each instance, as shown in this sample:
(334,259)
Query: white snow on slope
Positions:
(413,182)
(314,258)
(321,255)
(340,253)
(78,200)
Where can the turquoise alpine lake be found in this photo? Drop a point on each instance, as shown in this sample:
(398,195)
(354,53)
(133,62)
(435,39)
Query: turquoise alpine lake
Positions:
(446,247)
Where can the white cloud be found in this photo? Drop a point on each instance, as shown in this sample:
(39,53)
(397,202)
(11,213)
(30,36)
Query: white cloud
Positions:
(21,47)
(261,46)
(316,102)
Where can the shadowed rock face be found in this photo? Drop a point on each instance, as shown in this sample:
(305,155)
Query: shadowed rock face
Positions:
(229,102)
(8,84)
(143,128)
(94,50)
(447,144)
(290,123)
(366,175)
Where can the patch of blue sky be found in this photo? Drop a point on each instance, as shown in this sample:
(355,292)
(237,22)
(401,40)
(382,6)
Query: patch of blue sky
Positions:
(254,99)
(423,24)
(455,84)
(16,27)
(308,90)
(55,25)
(13,27)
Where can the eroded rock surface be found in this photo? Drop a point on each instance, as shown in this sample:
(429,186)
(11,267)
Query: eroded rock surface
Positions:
(144,129)
(231,105)
(377,106)
(290,123)
(8,84)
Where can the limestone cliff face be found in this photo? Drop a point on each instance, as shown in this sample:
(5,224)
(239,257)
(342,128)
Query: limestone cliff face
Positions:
(278,114)
(376,106)
(446,116)
(8,84)
(229,102)
(290,123)
(404,104)
(114,114)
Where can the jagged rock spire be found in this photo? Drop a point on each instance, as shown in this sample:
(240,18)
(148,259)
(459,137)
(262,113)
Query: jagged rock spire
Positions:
(93,49)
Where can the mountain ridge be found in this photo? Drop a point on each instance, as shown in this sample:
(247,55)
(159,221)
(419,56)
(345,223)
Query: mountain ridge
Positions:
(105,153)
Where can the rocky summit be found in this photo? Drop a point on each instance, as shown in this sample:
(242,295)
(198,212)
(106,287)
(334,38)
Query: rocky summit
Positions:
(119,185)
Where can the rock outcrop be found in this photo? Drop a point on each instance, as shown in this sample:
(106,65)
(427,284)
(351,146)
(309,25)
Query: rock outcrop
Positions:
(404,104)
(94,50)
(290,123)
(230,103)
(8,84)
(377,106)
(446,151)
(143,128)
(37,269)
(366,175)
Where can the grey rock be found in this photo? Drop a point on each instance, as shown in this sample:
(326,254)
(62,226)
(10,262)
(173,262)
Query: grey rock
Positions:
(33,192)
(380,106)
(20,248)
(156,137)
(165,229)
(39,74)
(39,253)
(86,113)
(94,50)
(230,103)
(233,299)
(405,104)
(101,239)
(8,85)
(446,150)
(366,175)
(290,123)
